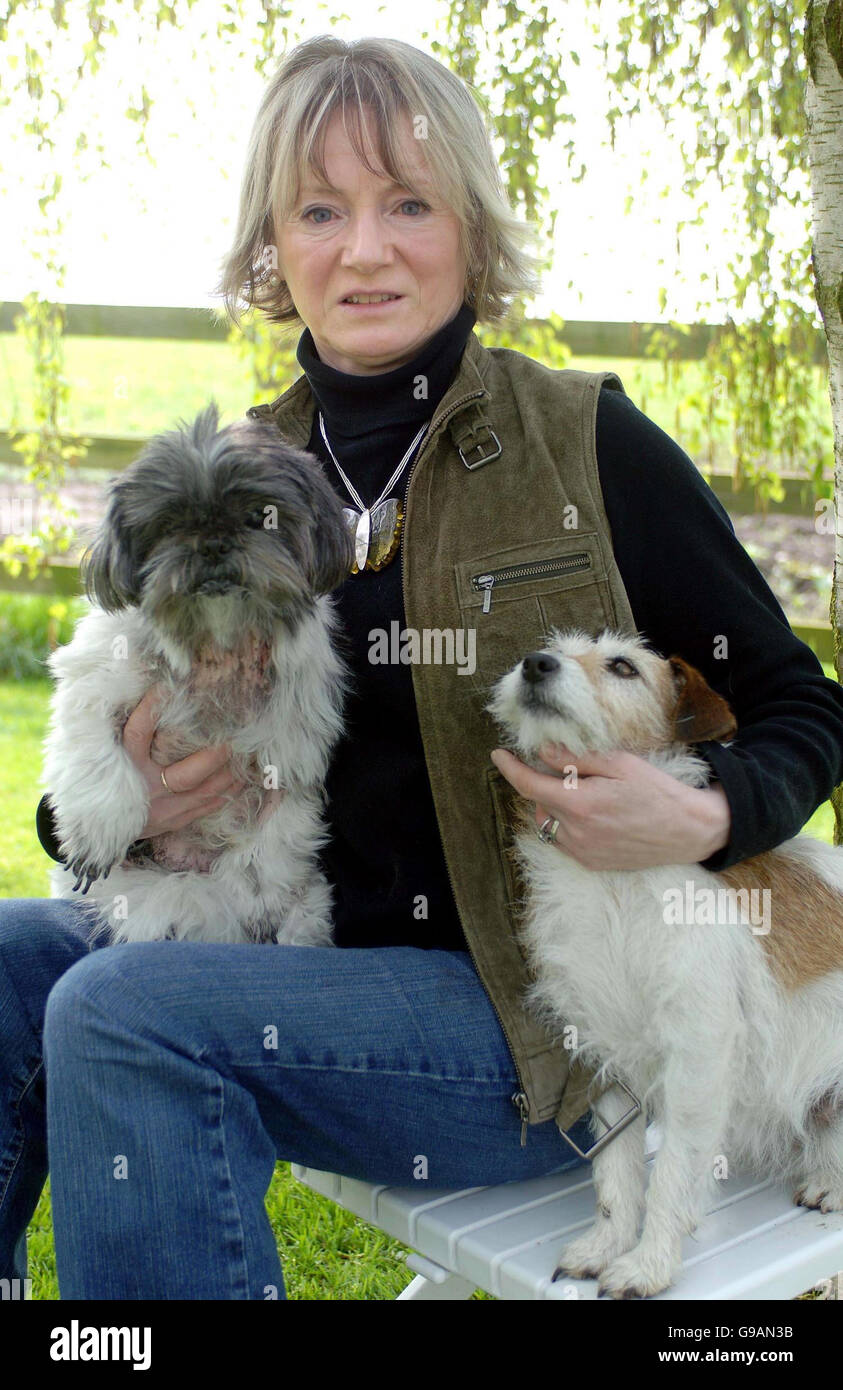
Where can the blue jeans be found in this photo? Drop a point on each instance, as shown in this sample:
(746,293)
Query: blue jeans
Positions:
(178,1072)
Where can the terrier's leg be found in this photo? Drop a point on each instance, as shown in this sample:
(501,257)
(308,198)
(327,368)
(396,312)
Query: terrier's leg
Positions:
(696,1100)
(619,1186)
(822,1187)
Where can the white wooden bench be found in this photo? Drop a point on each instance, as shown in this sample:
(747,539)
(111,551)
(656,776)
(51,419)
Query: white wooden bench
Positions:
(753,1244)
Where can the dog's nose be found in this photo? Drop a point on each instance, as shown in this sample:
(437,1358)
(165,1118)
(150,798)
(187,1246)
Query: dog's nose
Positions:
(537,666)
(215,545)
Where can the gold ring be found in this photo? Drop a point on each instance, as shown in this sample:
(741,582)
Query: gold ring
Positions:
(164,780)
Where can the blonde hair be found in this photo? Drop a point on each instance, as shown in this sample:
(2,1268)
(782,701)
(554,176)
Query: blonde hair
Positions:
(394,80)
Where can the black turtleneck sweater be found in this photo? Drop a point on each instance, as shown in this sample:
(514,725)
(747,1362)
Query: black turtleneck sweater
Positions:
(689,581)
(385,848)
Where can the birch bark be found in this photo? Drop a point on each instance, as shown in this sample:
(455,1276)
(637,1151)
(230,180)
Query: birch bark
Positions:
(824,119)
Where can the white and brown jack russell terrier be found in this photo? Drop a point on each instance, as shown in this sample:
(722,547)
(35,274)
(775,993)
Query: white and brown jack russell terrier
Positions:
(716,998)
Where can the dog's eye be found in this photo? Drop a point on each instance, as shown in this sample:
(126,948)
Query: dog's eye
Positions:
(256,517)
(619,666)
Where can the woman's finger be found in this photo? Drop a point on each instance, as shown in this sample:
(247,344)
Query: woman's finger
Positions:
(139,728)
(524,779)
(190,812)
(191,773)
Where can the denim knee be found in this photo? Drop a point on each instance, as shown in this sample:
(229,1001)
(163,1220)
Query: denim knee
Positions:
(44,924)
(105,989)
(40,939)
(94,986)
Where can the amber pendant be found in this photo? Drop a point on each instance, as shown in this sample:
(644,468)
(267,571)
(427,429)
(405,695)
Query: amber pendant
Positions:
(376,533)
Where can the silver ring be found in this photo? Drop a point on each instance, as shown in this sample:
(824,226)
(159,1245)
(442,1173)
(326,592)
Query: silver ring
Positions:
(164,780)
(548,837)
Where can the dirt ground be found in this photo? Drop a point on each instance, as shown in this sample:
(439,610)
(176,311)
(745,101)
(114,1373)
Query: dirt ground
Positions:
(795,560)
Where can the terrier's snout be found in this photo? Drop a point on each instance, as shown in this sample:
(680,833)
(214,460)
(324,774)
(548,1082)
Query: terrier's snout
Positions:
(538,666)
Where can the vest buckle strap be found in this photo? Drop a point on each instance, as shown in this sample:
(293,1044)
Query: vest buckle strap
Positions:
(482,447)
(612,1131)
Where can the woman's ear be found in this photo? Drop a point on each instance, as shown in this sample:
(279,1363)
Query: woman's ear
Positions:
(699,712)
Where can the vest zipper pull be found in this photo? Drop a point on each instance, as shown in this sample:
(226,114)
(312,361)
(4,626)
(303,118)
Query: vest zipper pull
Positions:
(519,1100)
(485,582)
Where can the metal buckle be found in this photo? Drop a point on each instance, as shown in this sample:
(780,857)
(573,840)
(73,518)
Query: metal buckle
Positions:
(612,1131)
(486,458)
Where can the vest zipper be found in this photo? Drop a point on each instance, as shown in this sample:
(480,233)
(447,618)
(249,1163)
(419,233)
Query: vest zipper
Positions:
(519,1099)
(513,574)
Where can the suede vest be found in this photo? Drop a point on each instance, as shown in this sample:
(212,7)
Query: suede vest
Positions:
(505,532)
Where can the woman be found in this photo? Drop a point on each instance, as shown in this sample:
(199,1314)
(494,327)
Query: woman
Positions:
(413,1042)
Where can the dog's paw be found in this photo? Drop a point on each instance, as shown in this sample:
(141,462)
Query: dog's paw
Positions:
(820,1194)
(636,1274)
(587,1257)
(88,868)
(93,842)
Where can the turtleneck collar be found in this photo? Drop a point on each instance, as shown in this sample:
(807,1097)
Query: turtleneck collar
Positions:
(356,405)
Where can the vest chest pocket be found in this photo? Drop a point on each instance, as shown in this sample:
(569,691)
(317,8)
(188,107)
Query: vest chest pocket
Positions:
(511,597)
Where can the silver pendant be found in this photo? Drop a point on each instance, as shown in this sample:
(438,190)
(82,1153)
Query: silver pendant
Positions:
(361,539)
(377,532)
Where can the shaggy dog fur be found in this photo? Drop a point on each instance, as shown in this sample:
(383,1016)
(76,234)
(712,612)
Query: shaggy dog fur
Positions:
(210,577)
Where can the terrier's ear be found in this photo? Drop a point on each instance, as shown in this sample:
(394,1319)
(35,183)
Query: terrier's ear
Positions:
(699,712)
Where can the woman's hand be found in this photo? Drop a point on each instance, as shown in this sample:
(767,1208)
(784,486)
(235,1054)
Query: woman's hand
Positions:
(620,812)
(197,781)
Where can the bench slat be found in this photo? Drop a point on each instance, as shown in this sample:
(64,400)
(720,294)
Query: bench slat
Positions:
(754,1243)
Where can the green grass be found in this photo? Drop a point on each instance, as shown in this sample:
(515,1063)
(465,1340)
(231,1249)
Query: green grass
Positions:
(327,1254)
(137,386)
(132,386)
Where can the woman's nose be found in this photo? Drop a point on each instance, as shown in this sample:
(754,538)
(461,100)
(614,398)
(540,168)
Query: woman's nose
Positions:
(367,241)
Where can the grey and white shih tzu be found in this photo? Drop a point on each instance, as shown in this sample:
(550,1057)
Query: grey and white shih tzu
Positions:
(210,577)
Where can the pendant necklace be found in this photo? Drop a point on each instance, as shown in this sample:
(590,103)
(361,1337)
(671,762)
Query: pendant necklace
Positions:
(376,529)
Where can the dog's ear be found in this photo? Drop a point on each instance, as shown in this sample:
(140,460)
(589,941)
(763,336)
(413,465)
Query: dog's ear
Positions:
(331,548)
(109,568)
(699,712)
(332,552)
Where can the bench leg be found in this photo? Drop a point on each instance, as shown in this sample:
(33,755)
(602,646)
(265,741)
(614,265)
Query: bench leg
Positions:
(434,1281)
(452,1287)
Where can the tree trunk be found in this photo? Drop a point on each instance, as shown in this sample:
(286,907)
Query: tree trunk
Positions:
(824,116)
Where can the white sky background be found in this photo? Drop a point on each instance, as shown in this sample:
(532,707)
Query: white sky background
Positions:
(143,233)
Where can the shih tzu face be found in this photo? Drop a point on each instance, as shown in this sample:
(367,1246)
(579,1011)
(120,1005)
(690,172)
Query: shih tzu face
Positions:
(215,533)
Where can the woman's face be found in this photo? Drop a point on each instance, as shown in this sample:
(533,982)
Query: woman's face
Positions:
(368,235)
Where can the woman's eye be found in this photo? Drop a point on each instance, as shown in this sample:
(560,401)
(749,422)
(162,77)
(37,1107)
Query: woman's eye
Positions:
(619,666)
(310,216)
(312,210)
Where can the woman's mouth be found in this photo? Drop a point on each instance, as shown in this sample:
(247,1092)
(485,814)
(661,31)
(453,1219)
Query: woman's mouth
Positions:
(370,301)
